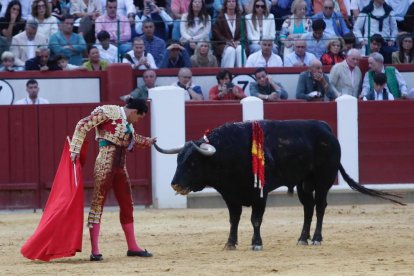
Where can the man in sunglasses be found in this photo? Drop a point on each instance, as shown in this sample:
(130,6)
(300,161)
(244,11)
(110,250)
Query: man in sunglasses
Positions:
(335,23)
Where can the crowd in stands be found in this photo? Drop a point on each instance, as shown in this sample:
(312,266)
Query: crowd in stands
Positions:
(153,34)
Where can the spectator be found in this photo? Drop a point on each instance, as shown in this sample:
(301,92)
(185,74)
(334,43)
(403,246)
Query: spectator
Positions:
(408,23)
(7,63)
(66,42)
(294,26)
(338,6)
(195,25)
(244,7)
(125,8)
(162,21)
(345,77)
(25,6)
(12,23)
(193,92)
(227,36)
(63,62)
(202,56)
(382,22)
(153,44)
(225,89)
(376,43)
(138,57)
(59,8)
(335,23)
(400,9)
(41,13)
(24,44)
(300,57)
(42,61)
(349,41)
(260,23)
(107,51)
(313,84)
(32,89)
(175,56)
(94,62)
(85,14)
(265,57)
(109,22)
(396,85)
(406,52)
(357,6)
(265,88)
(178,9)
(141,92)
(281,9)
(334,54)
(317,40)
(378,92)
(4,45)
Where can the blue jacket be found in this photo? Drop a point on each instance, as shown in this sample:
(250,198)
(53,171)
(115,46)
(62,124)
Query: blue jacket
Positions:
(339,25)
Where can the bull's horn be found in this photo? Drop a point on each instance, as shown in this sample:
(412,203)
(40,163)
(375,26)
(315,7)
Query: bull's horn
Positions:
(168,151)
(205,149)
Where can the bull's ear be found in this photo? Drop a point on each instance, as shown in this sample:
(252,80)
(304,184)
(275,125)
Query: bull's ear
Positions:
(168,151)
(205,149)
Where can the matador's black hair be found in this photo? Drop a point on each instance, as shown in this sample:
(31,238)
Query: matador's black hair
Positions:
(138,104)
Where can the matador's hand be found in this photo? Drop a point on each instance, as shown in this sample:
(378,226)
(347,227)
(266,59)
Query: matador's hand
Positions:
(74,156)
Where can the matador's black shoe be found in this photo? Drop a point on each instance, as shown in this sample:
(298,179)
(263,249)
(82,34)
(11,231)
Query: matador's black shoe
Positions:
(142,253)
(96,257)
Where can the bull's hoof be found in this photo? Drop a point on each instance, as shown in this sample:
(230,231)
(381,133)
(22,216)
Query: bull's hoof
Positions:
(256,247)
(316,243)
(300,242)
(229,246)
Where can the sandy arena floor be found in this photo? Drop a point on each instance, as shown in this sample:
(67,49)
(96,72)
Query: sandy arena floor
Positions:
(358,240)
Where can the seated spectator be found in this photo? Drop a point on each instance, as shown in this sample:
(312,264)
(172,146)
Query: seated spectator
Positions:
(7,63)
(260,23)
(85,14)
(400,9)
(175,56)
(141,92)
(265,57)
(202,56)
(345,77)
(26,8)
(395,82)
(178,9)
(335,23)
(94,62)
(109,22)
(32,89)
(382,22)
(24,44)
(406,52)
(63,62)
(59,8)
(42,61)
(317,40)
(193,92)
(294,26)
(408,23)
(281,9)
(162,21)
(153,44)
(313,84)
(138,57)
(195,25)
(41,13)
(225,89)
(227,36)
(334,54)
(356,7)
(4,45)
(12,23)
(66,42)
(378,92)
(349,42)
(107,51)
(265,88)
(300,57)
(376,43)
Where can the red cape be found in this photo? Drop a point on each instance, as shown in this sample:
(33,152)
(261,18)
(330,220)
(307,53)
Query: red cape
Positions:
(60,230)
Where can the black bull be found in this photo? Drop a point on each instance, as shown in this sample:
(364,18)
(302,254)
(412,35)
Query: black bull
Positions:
(304,154)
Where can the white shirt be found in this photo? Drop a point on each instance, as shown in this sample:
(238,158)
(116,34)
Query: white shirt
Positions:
(110,55)
(292,58)
(380,97)
(257,60)
(150,60)
(27,100)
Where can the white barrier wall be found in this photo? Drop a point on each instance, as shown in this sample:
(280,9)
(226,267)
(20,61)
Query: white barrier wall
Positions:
(168,125)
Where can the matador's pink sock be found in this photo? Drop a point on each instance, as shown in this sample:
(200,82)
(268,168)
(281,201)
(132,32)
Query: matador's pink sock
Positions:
(130,237)
(94,234)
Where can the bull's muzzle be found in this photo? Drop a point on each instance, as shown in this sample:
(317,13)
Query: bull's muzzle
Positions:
(180,190)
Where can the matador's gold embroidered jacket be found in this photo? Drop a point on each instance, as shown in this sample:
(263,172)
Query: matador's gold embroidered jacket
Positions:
(110,124)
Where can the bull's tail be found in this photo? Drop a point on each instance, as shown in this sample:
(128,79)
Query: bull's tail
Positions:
(358,187)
